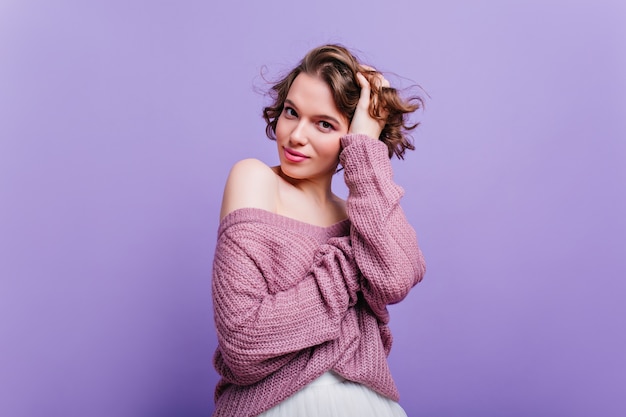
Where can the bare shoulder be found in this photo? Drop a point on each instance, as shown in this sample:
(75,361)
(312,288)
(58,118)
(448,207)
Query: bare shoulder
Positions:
(250,184)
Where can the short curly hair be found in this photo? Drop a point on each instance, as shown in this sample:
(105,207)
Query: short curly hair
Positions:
(338,67)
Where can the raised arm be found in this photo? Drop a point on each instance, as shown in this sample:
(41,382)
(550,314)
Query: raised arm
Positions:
(384,243)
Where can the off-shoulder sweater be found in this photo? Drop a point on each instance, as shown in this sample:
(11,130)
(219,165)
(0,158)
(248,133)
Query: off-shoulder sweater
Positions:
(293,300)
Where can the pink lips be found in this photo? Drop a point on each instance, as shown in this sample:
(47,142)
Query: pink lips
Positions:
(294,156)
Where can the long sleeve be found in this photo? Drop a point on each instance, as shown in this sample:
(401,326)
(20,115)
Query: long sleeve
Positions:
(384,243)
(261,329)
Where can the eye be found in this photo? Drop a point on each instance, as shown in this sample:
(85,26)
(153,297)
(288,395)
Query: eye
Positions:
(290,113)
(325,126)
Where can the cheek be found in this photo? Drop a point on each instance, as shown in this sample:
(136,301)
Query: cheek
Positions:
(280,129)
(332,147)
(284,128)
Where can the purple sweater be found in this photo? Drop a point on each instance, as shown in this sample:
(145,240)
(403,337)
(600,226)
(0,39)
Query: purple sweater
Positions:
(292,300)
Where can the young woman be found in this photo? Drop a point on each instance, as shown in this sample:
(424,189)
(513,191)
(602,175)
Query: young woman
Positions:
(301,278)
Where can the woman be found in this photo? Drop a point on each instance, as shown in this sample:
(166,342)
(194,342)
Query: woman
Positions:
(301,278)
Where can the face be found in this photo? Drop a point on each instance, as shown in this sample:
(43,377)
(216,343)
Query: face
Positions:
(308,130)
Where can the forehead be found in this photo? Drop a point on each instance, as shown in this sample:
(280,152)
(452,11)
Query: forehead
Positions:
(313,96)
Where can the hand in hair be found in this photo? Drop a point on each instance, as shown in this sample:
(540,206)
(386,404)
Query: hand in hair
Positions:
(363,122)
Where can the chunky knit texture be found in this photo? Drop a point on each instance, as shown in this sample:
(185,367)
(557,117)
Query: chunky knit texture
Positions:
(293,300)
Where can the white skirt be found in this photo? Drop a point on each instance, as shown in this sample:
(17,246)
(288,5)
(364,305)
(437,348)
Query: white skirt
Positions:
(333,396)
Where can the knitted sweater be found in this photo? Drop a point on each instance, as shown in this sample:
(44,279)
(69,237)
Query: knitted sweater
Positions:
(293,300)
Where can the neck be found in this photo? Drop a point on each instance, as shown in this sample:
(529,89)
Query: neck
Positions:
(318,190)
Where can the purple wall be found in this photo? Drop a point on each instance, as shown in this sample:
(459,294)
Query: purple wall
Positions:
(119,121)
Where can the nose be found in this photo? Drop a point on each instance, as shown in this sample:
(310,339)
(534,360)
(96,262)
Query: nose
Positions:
(298,134)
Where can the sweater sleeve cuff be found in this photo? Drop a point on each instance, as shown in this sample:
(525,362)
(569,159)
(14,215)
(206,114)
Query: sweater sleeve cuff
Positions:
(355,139)
(367,168)
(365,153)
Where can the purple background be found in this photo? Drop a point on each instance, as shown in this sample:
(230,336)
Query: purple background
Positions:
(119,121)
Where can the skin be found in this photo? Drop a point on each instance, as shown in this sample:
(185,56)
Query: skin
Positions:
(310,125)
(308,130)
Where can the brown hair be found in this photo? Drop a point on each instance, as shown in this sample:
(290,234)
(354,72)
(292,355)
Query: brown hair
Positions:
(338,67)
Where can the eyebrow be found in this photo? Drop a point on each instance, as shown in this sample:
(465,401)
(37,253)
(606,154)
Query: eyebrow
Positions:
(321,116)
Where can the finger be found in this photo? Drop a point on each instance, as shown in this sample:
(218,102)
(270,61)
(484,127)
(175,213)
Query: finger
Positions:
(364,99)
(363,82)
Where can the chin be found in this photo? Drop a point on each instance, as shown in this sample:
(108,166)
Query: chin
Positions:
(290,172)
(298,174)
